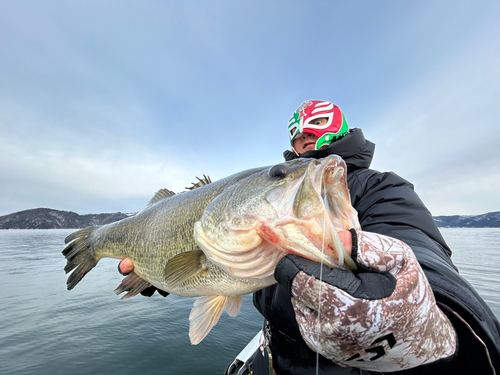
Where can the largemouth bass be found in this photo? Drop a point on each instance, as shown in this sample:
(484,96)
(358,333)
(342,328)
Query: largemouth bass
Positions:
(223,240)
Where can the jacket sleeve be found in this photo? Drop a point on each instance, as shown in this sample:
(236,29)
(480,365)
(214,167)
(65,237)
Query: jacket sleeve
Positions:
(387,204)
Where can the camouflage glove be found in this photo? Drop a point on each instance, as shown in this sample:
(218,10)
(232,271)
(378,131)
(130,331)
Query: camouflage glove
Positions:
(148,292)
(384,318)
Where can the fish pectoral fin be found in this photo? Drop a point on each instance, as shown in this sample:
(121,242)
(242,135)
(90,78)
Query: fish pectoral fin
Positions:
(182,266)
(206,313)
(133,284)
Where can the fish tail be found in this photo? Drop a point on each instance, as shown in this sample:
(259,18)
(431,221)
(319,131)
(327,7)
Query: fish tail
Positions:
(79,256)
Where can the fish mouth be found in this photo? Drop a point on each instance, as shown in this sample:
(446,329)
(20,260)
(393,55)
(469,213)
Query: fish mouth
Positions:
(309,213)
(321,208)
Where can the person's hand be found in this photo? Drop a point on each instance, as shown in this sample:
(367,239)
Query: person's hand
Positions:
(383,318)
(126,266)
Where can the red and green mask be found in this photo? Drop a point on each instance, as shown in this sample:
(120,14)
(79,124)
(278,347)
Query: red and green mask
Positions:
(303,121)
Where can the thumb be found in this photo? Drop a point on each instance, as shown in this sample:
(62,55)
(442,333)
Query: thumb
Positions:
(378,252)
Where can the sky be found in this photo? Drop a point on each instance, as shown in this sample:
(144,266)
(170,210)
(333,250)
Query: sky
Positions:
(102,103)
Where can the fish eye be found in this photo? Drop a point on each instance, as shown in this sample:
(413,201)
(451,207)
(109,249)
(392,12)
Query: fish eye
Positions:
(278,171)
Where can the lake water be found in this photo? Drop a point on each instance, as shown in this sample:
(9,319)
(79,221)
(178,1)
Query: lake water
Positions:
(45,329)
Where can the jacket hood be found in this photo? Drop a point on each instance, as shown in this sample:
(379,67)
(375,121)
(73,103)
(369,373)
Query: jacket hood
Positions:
(354,148)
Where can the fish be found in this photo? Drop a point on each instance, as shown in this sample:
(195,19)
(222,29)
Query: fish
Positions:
(221,240)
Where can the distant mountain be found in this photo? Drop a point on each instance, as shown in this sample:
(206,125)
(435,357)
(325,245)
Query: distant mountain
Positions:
(46,218)
(489,220)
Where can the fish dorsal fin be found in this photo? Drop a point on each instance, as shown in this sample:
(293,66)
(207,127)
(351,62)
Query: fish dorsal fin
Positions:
(133,284)
(183,266)
(159,195)
(206,313)
(201,182)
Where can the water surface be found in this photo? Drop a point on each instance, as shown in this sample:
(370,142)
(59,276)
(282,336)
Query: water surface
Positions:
(46,329)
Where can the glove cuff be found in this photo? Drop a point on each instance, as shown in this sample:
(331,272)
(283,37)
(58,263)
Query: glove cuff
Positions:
(354,251)
(285,272)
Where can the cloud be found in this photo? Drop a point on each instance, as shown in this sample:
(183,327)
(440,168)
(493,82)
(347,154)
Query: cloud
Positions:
(444,131)
(75,180)
(101,105)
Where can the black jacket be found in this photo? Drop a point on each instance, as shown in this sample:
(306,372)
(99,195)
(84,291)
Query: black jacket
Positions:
(387,204)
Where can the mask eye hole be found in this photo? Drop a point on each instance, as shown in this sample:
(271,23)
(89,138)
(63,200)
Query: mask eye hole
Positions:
(278,171)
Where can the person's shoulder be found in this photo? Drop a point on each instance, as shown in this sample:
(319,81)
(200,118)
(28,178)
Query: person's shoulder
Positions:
(383,179)
(365,183)
(372,176)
